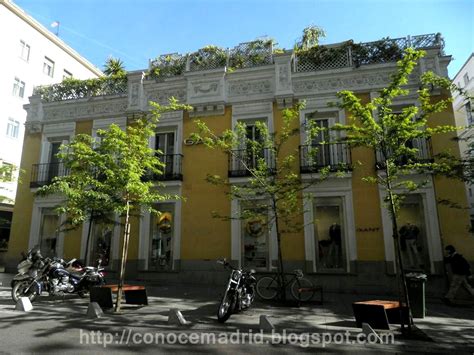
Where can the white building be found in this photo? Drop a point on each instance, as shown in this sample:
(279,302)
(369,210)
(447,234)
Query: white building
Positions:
(464,113)
(31,56)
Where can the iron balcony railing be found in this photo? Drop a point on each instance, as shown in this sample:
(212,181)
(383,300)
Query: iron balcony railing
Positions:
(172,169)
(241,161)
(43,174)
(336,156)
(423,154)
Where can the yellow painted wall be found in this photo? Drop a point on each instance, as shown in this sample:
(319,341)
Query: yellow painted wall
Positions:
(454,222)
(20,229)
(204,237)
(366,199)
(292,244)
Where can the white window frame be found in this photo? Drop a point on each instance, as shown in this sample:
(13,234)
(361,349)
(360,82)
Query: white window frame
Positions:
(25,51)
(18,88)
(350,243)
(144,239)
(66,74)
(36,218)
(48,67)
(13,128)
(431,220)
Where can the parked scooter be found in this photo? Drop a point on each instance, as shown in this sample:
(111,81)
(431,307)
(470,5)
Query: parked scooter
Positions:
(239,294)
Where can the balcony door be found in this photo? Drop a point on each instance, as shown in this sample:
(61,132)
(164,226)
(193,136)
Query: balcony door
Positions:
(321,154)
(165,142)
(53,167)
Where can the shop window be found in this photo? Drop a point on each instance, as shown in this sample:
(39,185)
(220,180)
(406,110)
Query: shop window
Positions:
(412,231)
(162,235)
(254,232)
(49,232)
(101,241)
(329,233)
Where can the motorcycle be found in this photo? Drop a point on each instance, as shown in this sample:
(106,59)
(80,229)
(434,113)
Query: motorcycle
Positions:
(31,258)
(51,276)
(239,294)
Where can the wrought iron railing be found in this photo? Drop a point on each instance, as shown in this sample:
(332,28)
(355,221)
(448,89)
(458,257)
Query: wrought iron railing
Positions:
(242,161)
(335,156)
(353,55)
(43,174)
(172,169)
(77,89)
(423,154)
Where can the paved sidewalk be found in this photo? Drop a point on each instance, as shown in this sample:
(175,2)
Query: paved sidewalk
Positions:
(59,325)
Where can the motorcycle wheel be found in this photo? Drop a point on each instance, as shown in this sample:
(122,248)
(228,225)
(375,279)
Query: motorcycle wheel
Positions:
(19,290)
(226,307)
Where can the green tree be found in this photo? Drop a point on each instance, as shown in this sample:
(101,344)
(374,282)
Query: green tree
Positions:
(377,126)
(108,175)
(114,67)
(273,193)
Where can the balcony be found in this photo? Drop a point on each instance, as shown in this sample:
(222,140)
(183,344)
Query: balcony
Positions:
(241,160)
(172,169)
(43,174)
(354,55)
(336,156)
(422,155)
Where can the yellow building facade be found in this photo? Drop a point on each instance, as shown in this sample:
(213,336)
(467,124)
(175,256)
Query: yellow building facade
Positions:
(346,243)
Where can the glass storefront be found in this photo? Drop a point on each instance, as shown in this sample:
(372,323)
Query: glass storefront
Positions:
(329,232)
(49,232)
(254,232)
(412,230)
(101,242)
(161,238)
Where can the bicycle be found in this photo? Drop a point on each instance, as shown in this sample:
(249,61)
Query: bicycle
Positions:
(268,287)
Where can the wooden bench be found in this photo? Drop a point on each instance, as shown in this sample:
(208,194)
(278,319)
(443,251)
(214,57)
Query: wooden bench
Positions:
(133,295)
(313,289)
(379,314)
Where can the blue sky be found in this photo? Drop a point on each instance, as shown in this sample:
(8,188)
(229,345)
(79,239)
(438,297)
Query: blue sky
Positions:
(139,30)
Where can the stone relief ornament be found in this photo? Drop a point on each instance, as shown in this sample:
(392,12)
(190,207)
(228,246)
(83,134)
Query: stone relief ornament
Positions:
(162,96)
(284,81)
(134,94)
(249,87)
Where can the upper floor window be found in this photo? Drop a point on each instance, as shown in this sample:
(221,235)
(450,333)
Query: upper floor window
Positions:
(48,67)
(13,128)
(67,75)
(470,119)
(18,88)
(466,79)
(24,51)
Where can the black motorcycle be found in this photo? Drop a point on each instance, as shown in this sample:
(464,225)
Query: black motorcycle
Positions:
(51,276)
(239,294)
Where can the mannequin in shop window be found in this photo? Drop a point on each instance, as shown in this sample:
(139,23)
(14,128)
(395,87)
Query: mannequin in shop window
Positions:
(409,234)
(334,253)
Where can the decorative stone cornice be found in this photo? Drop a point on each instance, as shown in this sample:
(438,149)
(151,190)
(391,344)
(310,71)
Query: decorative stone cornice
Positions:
(105,107)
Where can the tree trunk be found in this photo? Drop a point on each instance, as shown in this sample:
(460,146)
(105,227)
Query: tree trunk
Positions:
(124,258)
(398,254)
(281,273)
(88,238)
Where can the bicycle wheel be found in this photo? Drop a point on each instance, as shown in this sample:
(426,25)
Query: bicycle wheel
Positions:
(302,283)
(267,288)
